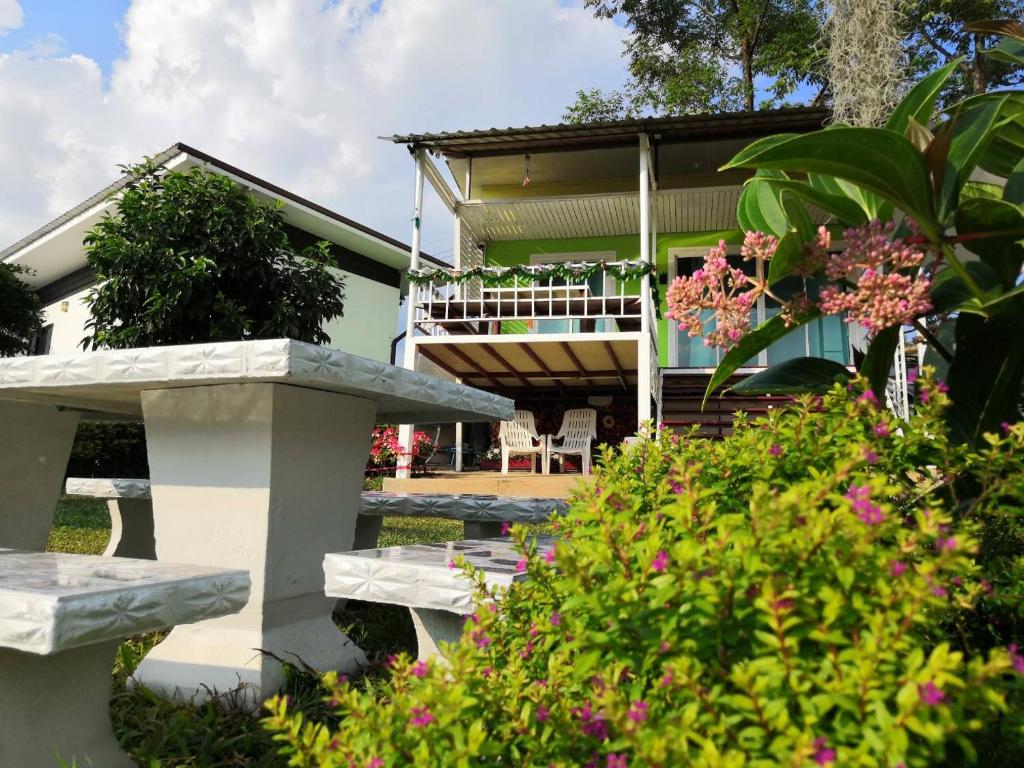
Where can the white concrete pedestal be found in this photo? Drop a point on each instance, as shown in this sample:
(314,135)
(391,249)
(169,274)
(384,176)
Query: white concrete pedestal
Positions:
(266,478)
(35,442)
(131,529)
(58,708)
(433,627)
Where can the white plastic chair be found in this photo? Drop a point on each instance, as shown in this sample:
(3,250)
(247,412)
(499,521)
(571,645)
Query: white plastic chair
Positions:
(579,428)
(517,439)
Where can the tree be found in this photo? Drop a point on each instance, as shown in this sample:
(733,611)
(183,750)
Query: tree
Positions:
(689,56)
(192,257)
(20,311)
(938,34)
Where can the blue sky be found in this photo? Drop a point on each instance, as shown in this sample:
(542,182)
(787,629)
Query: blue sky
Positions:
(88,27)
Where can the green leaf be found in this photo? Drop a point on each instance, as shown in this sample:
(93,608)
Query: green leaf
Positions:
(876,159)
(762,337)
(759,208)
(919,103)
(1014,190)
(801,374)
(799,218)
(1008,51)
(1005,149)
(1002,224)
(788,256)
(845,210)
(971,137)
(878,361)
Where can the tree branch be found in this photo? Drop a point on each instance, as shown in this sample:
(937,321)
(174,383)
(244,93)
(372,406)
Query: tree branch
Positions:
(949,56)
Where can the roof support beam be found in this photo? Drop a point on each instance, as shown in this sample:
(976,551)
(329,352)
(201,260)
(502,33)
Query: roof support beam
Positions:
(615,362)
(580,368)
(439,363)
(498,358)
(437,181)
(538,362)
(473,365)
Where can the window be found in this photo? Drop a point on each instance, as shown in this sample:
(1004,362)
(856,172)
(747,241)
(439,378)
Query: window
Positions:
(41,342)
(826,337)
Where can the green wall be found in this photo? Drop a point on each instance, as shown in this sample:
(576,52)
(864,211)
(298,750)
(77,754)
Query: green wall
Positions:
(510,252)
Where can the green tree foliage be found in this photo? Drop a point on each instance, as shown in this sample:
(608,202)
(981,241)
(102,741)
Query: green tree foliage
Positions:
(20,311)
(938,34)
(690,56)
(192,257)
(803,593)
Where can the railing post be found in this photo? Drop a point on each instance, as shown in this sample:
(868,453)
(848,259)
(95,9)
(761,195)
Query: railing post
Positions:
(405,431)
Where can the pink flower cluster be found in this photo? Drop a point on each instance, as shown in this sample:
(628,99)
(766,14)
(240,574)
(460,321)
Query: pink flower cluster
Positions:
(883,296)
(716,288)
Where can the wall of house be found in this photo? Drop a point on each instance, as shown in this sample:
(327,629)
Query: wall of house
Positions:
(367,327)
(511,252)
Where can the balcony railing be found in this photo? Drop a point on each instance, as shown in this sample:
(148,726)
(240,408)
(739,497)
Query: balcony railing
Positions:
(565,297)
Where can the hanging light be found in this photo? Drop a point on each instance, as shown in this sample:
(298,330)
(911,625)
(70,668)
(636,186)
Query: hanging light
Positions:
(526,172)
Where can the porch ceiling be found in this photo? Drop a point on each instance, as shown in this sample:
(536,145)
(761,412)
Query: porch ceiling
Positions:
(678,210)
(531,361)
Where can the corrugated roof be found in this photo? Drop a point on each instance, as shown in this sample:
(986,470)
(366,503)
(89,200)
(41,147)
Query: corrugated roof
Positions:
(179,148)
(617,132)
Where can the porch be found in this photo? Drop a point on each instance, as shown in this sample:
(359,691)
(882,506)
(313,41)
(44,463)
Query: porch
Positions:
(520,483)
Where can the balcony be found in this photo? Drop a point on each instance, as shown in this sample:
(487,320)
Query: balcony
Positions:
(562,298)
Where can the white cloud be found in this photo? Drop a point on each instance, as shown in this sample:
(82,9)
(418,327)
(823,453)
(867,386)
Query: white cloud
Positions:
(10,15)
(294,91)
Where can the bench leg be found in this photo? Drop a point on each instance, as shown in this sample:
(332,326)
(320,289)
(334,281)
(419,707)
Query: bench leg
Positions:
(367,531)
(58,708)
(267,478)
(131,529)
(34,449)
(433,627)
(473,529)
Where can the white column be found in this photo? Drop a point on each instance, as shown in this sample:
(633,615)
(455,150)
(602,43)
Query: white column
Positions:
(265,478)
(35,443)
(458,446)
(405,431)
(643,395)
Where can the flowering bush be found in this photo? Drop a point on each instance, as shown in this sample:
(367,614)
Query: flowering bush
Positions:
(385,448)
(796,594)
(924,245)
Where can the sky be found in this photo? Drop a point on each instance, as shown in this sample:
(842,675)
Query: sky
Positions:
(293,91)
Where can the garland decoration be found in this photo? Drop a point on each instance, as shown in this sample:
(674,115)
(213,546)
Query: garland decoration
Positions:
(573,272)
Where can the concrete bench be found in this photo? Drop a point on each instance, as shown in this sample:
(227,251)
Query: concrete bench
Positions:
(419,577)
(62,618)
(131,512)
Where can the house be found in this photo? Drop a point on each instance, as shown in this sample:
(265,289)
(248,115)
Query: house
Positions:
(565,237)
(372,264)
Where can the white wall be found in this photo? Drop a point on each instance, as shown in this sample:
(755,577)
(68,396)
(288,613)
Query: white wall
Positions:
(367,328)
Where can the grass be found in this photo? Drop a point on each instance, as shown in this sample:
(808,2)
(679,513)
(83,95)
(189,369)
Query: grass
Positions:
(224,734)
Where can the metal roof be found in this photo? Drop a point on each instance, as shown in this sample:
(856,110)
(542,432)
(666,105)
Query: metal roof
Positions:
(565,136)
(180,148)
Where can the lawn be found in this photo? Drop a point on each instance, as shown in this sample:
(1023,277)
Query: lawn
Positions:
(159,734)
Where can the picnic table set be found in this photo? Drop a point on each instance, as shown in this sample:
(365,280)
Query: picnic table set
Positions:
(256,453)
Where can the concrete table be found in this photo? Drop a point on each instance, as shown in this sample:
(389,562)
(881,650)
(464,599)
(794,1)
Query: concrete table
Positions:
(420,577)
(256,453)
(61,619)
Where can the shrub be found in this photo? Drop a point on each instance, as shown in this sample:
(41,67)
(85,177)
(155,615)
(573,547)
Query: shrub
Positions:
(191,257)
(791,595)
(109,449)
(20,311)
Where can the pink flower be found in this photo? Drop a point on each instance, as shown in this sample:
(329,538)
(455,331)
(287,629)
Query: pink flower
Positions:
(945,544)
(543,713)
(660,562)
(898,568)
(867,512)
(822,754)
(882,429)
(521,565)
(556,618)
(549,556)
(666,680)
(1016,659)
(482,640)
(616,761)
(421,716)
(505,528)
(931,695)
(868,397)
(638,711)
(486,672)
(775,450)
(591,723)
(420,669)
(375,762)
(870,456)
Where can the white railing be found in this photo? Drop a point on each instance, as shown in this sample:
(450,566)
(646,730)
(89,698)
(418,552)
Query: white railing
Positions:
(590,296)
